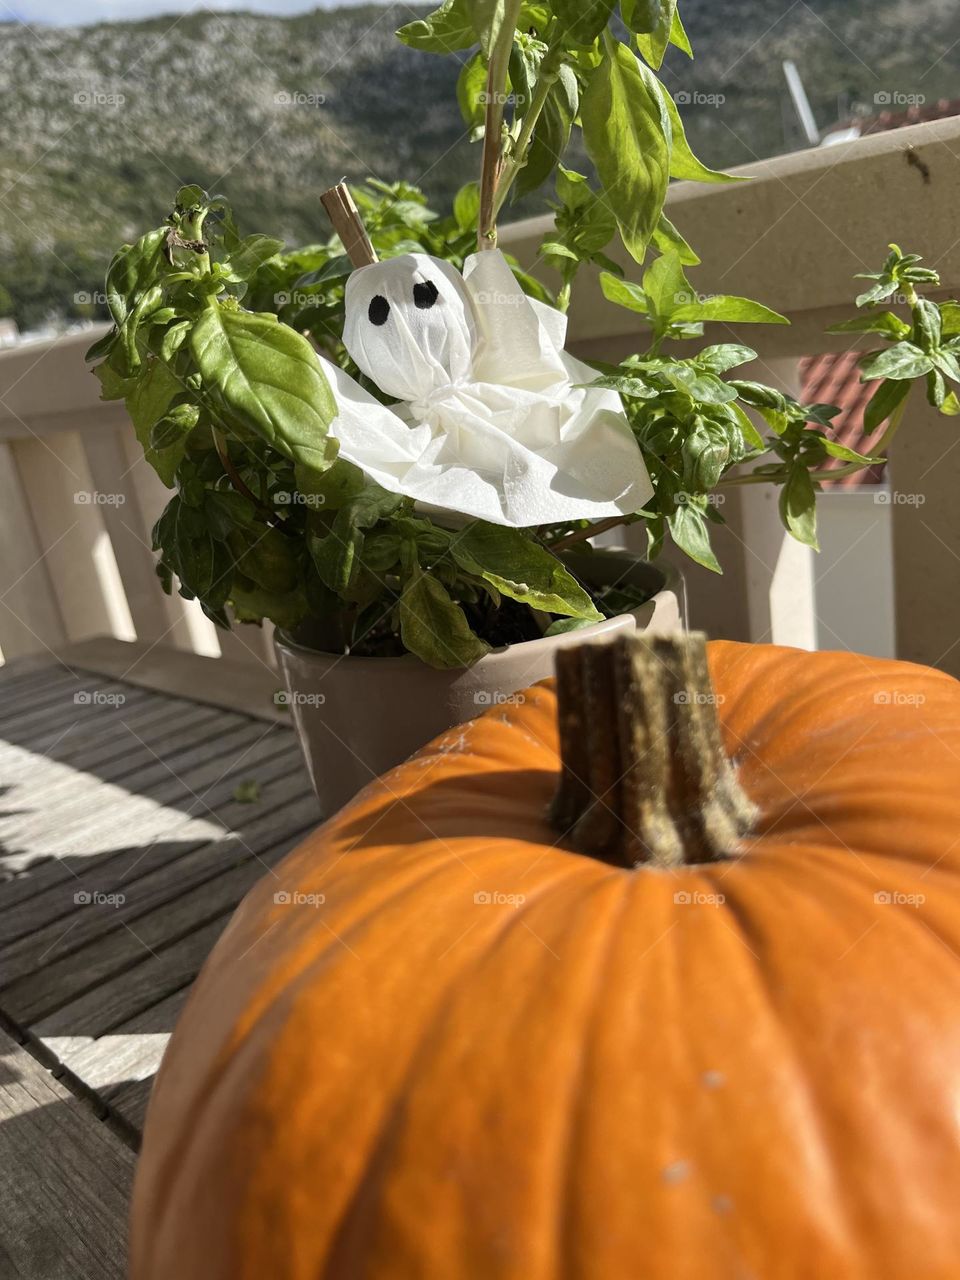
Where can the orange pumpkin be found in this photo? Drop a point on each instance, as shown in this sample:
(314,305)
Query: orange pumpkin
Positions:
(482,1056)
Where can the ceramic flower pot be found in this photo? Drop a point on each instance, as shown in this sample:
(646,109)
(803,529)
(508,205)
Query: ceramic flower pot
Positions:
(358,717)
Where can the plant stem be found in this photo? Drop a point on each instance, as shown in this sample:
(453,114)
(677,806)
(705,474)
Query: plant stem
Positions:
(837,473)
(238,482)
(549,70)
(493,126)
(581,535)
(644,776)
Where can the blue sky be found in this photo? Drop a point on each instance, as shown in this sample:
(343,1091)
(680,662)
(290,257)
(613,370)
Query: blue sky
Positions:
(70,12)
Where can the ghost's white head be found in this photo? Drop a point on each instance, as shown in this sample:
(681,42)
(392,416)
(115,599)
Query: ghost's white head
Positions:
(410,325)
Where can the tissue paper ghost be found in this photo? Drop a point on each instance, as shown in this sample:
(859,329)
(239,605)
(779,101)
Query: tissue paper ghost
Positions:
(489,422)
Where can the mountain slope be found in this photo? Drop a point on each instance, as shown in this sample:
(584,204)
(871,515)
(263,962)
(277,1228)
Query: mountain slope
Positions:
(103,123)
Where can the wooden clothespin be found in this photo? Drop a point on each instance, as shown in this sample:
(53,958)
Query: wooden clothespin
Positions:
(347,223)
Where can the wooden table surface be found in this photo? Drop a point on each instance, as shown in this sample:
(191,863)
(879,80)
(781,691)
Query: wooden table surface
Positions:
(124,848)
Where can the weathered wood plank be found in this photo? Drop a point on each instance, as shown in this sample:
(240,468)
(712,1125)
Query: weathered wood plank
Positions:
(121,820)
(88,745)
(154,760)
(64,1180)
(127,1055)
(41,694)
(26,665)
(31,726)
(31,671)
(101,985)
(55,925)
(131,1100)
(88,818)
(96,986)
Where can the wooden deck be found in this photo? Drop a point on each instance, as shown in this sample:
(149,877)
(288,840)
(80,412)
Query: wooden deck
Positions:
(124,848)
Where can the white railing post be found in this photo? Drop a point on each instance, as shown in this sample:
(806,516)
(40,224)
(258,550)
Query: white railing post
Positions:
(30,617)
(924,494)
(779,571)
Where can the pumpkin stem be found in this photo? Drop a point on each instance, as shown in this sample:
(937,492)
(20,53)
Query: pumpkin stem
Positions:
(644,777)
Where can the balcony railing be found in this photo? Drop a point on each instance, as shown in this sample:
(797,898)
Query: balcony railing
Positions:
(77,500)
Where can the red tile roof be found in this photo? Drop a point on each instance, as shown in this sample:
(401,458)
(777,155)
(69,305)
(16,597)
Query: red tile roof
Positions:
(835,379)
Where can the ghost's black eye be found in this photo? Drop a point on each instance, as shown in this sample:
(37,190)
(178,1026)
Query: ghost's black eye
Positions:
(425,295)
(379,310)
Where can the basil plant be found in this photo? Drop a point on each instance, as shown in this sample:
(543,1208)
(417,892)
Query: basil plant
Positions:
(215,333)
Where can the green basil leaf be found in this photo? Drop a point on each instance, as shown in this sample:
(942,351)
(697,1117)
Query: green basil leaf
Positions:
(526,56)
(837,450)
(727,355)
(552,133)
(146,404)
(564,625)
(683,163)
(251,253)
(730,309)
(936,388)
(688,528)
(951,405)
(251,603)
(327,490)
(798,505)
(552,249)
(705,453)
(760,396)
(147,302)
(623,293)
(381,551)
(947,363)
(466,206)
(268,557)
(338,556)
(102,346)
(666,286)
(704,387)
(752,439)
(113,385)
(471,87)
(174,427)
(268,375)
(678,35)
(226,510)
(573,189)
(668,239)
(433,627)
(627,134)
(903,360)
(583,20)
(652,20)
(173,339)
(132,270)
(446,30)
(332,271)
(926,325)
(950,319)
(627,385)
(521,569)
(878,292)
(883,322)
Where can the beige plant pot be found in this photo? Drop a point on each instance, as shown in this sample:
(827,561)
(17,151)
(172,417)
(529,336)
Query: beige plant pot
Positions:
(358,717)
